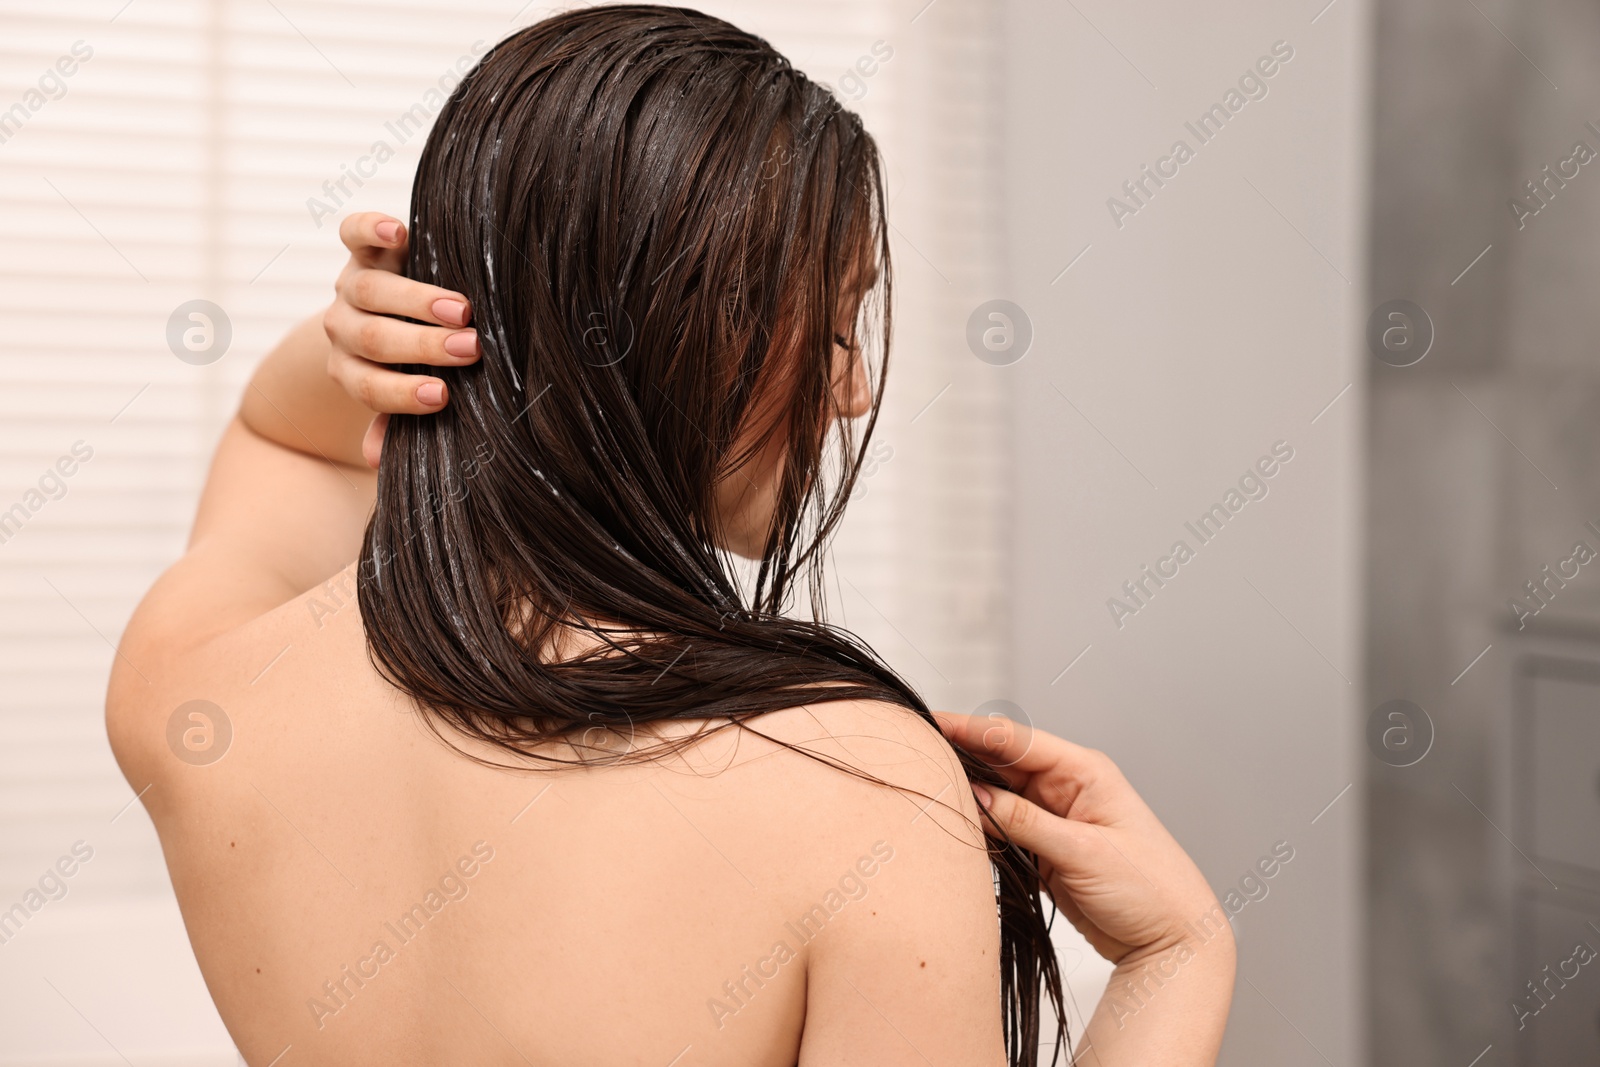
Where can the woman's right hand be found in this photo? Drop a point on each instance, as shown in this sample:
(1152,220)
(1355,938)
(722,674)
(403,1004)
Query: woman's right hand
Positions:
(367,335)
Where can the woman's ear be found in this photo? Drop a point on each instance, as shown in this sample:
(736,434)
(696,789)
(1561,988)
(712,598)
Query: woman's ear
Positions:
(852,391)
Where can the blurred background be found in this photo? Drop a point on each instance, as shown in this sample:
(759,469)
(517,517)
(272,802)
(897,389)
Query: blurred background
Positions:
(1242,423)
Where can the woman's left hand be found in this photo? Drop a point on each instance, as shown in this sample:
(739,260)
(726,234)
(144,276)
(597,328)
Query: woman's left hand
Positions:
(367,333)
(1106,860)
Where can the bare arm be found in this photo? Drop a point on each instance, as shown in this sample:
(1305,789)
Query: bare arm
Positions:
(320,388)
(293,402)
(290,486)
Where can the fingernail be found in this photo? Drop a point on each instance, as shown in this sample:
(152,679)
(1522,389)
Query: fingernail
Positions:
(463,345)
(431,393)
(985,797)
(389,231)
(453,311)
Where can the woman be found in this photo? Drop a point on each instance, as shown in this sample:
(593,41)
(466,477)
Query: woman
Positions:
(489,757)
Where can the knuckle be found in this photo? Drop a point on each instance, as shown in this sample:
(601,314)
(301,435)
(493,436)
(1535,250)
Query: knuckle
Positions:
(361,288)
(1106,768)
(350,230)
(365,390)
(369,335)
(339,370)
(1020,819)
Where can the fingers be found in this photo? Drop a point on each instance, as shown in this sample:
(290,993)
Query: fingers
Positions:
(958,728)
(366,327)
(1062,776)
(389,391)
(386,293)
(381,339)
(375,239)
(1003,743)
(1056,840)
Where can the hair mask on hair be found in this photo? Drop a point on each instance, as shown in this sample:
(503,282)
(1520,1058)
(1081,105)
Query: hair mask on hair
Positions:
(656,220)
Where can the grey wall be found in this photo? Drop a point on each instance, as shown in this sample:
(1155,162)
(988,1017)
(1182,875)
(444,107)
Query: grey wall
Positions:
(1481,472)
(1225,315)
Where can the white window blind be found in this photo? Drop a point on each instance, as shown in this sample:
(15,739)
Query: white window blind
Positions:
(154,152)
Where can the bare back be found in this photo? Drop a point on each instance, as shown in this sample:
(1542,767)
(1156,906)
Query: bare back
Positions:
(358,892)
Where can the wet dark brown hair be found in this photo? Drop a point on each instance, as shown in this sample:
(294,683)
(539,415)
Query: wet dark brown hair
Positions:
(655,218)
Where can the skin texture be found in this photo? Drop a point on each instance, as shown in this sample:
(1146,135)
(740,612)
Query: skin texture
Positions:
(606,907)
(592,915)
(1107,862)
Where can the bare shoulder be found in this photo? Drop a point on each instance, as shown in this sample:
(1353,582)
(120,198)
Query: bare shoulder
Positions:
(273,524)
(849,763)
(892,744)
(887,882)
(174,702)
(814,797)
